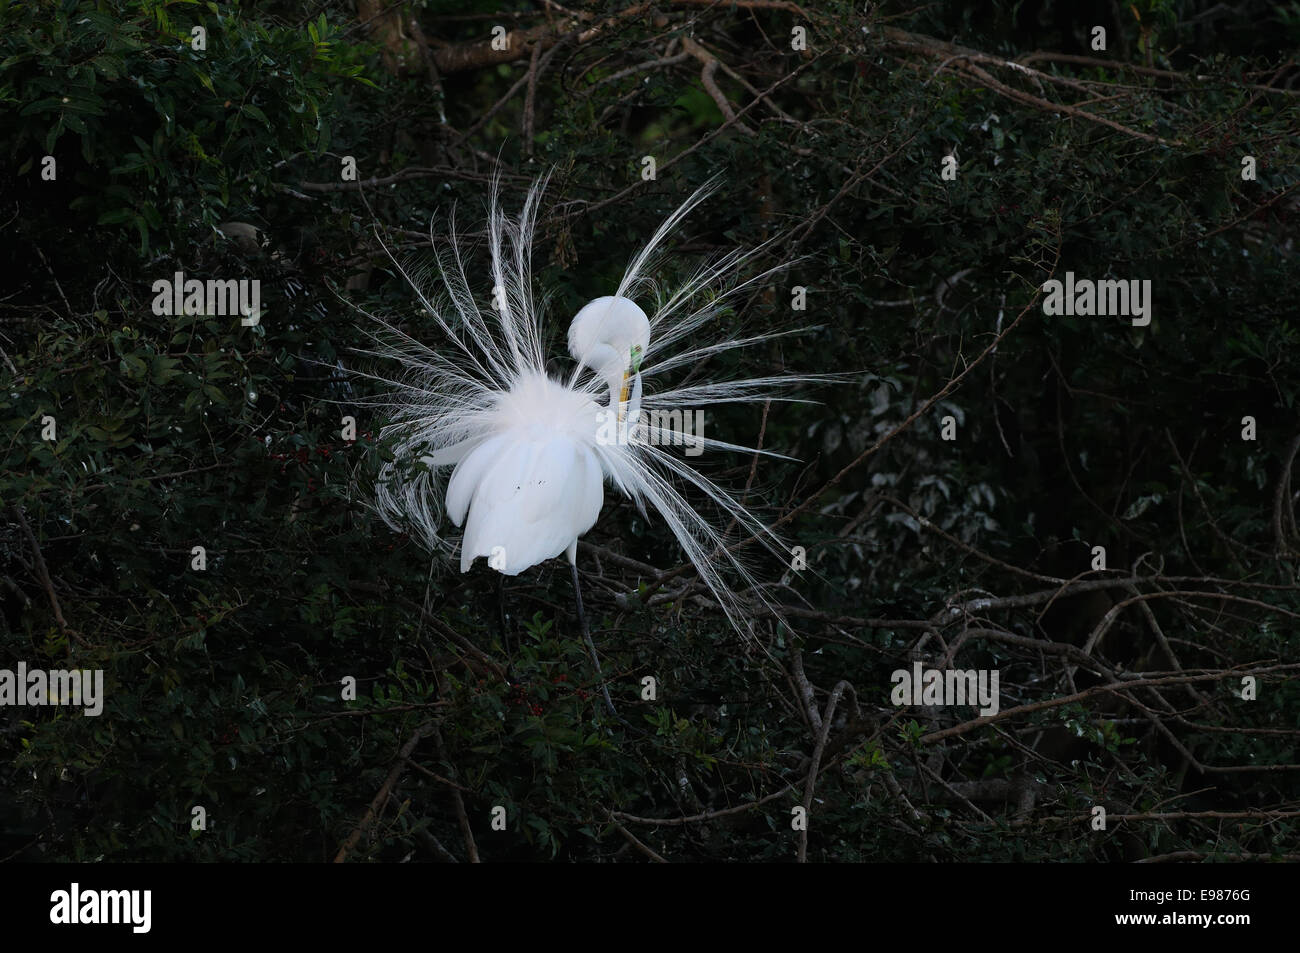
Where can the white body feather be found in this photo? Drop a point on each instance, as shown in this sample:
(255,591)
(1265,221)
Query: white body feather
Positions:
(534,486)
(526,452)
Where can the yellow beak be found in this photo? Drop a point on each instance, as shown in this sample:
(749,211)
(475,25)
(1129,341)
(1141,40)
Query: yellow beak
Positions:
(622,397)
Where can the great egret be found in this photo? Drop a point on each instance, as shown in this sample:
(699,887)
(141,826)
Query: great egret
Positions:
(529,454)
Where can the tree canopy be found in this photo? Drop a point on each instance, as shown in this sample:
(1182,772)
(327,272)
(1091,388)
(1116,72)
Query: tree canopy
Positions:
(1099,508)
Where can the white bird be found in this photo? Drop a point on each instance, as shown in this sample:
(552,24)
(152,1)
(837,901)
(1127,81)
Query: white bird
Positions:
(529,454)
(535,482)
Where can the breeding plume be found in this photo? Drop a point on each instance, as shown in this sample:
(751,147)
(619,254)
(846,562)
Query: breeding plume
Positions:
(486,439)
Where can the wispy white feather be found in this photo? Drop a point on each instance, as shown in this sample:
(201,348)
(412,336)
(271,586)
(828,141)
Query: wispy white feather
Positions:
(486,377)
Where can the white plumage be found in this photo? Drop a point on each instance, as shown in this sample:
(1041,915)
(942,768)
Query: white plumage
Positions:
(533,487)
(529,454)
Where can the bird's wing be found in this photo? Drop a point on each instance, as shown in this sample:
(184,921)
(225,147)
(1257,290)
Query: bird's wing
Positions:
(469,473)
(590,492)
(449,455)
(532,500)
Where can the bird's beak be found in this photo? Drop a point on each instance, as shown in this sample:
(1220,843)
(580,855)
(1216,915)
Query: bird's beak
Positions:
(634,367)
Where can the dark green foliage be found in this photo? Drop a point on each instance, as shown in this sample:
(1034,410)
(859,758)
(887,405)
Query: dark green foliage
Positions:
(223,685)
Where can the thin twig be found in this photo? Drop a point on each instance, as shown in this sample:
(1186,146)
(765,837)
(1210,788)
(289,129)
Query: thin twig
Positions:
(43,574)
(381,798)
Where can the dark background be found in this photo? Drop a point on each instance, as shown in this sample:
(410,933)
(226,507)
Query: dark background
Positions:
(223,685)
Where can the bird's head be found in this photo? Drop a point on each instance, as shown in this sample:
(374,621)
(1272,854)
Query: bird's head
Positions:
(610,335)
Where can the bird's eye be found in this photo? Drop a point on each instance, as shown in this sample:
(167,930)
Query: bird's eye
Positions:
(636,358)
